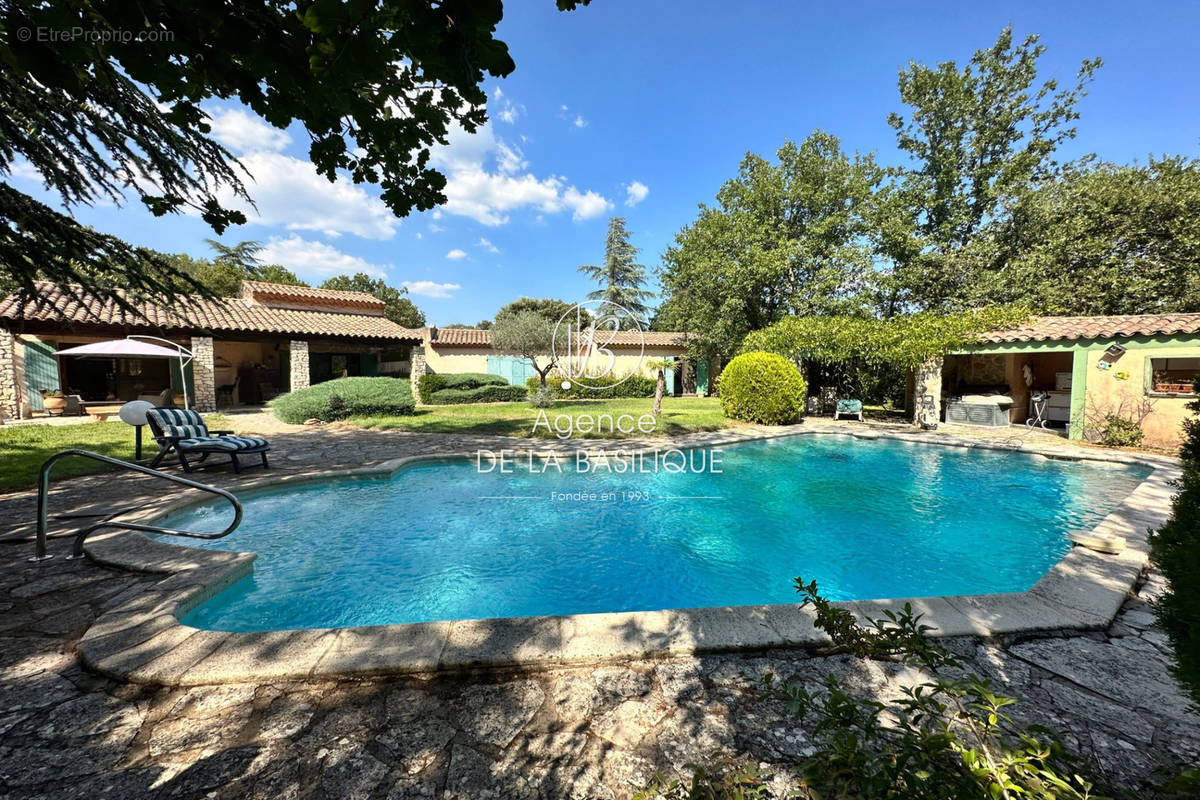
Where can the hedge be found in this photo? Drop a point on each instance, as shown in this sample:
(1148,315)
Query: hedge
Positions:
(762,387)
(609,387)
(492,393)
(1176,548)
(430,382)
(345,397)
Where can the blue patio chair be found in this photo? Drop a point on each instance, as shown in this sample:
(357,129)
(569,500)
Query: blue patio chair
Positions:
(183,432)
(848,408)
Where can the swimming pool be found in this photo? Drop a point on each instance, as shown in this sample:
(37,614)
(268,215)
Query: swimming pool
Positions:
(866,519)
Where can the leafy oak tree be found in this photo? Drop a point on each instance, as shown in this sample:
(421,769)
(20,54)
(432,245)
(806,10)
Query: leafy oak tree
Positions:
(549,308)
(620,277)
(398,308)
(979,137)
(118,113)
(1104,239)
(784,238)
(222,276)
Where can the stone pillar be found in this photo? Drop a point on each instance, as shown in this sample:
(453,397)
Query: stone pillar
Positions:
(927,380)
(10,391)
(418,368)
(298,362)
(204,380)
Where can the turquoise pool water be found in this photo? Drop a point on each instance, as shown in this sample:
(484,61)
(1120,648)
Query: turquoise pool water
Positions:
(866,519)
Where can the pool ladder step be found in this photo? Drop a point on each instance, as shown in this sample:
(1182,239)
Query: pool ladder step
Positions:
(108,522)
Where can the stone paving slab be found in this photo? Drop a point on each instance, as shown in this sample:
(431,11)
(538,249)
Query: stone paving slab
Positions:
(66,732)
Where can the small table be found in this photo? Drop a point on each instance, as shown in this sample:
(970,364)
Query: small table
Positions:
(101,413)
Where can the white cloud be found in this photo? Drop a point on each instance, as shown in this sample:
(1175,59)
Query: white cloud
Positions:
(23,169)
(509,159)
(584,205)
(315,260)
(635,193)
(243,132)
(289,193)
(578,121)
(488,178)
(487,245)
(430,288)
(504,109)
(488,197)
(456,254)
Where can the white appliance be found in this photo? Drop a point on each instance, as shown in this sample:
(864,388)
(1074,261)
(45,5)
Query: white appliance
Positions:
(1057,409)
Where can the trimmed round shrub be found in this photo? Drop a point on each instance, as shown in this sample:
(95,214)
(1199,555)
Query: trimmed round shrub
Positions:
(345,397)
(762,387)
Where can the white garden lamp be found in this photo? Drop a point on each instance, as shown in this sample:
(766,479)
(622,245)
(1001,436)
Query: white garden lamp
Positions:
(134,413)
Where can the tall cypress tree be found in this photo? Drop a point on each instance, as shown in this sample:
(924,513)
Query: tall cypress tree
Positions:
(620,277)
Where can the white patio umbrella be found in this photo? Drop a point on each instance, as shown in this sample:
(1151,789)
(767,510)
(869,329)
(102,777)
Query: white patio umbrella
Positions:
(135,347)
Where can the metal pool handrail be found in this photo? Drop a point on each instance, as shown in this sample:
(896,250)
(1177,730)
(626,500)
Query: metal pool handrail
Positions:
(77,549)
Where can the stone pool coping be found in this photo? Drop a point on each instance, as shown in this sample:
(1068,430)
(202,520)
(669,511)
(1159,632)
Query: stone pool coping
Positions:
(143,641)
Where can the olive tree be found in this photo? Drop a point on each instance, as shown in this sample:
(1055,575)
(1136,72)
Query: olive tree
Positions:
(529,335)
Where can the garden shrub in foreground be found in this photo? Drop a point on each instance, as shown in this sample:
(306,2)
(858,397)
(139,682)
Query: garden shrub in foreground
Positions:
(762,387)
(1176,549)
(945,737)
(345,397)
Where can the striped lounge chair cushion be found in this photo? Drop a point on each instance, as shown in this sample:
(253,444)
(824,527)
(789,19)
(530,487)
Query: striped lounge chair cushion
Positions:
(179,423)
(229,443)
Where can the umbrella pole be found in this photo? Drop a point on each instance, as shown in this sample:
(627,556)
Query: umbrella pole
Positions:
(183,381)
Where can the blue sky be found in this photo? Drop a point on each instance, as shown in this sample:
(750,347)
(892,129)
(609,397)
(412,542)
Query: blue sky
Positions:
(642,109)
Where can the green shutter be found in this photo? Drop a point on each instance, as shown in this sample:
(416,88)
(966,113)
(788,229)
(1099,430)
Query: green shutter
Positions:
(41,372)
(177,384)
(369,362)
(702,377)
(514,369)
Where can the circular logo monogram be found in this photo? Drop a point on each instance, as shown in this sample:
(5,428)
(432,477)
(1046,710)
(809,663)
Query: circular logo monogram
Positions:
(585,339)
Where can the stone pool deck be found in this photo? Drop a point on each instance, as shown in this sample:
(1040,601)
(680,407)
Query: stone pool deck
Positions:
(567,731)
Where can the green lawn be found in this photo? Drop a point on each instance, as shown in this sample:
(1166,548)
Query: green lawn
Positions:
(23,448)
(679,415)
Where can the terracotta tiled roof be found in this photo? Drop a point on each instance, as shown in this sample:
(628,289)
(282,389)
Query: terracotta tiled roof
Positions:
(462,337)
(1041,329)
(261,291)
(224,316)
(473,337)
